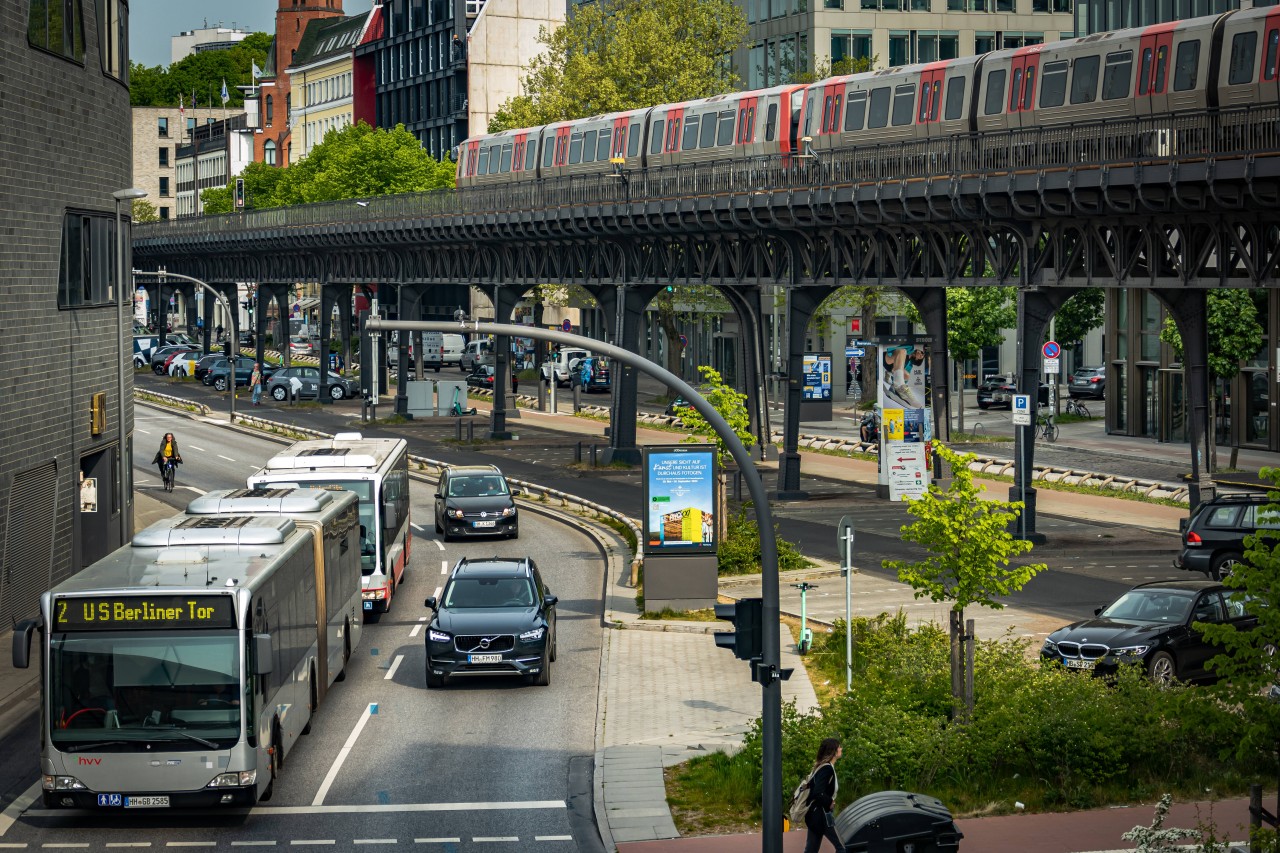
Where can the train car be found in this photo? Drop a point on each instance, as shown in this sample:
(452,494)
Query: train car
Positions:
(758,123)
(1249,68)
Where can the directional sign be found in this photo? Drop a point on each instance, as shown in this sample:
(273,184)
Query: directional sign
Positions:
(907,474)
(1022,410)
(1051,349)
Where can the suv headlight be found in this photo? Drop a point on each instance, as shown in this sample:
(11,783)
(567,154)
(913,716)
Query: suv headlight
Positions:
(507,512)
(239,779)
(1126,651)
(1049,646)
(453,513)
(532,636)
(438,636)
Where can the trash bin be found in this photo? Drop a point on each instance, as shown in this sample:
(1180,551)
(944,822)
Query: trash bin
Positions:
(898,822)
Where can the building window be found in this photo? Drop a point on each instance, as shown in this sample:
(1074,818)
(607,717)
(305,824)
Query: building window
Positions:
(164,213)
(850,45)
(87,269)
(58,27)
(164,156)
(164,187)
(162,127)
(269,153)
(271,110)
(113,27)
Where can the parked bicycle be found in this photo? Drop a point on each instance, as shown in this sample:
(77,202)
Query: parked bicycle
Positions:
(1046,428)
(1077,408)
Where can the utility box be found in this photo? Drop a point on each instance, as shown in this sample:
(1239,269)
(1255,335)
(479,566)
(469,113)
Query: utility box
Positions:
(447,392)
(898,822)
(422,398)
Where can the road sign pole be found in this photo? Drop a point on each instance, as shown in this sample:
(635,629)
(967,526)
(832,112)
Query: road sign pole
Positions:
(846,542)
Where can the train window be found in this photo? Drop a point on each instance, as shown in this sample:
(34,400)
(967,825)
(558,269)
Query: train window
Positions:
(691,126)
(1243,48)
(484,162)
(826,114)
(1115,80)
(1269,65)
(602,145)
(495,160)
(1186,66)
(749,132)
(1162,69)
(531,155)
(808,118)
(1015,90)
(673,134)
(904,105)
(1053,91)
(655,144)
(937,95)
(995,92)
(1144,73)
(924,103)
(955,98)
(1084,79)
(575,149)
(549,153)
(836,106)
(506,158)
(707,133)
(856,111)
(771,123)
(879,116)
(633,141)
(724,136)
(589,146)
(1029,89)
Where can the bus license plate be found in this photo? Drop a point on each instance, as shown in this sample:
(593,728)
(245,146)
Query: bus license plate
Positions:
(484,658)
(1077,663)
(368,605)
(146,802)
(485,523)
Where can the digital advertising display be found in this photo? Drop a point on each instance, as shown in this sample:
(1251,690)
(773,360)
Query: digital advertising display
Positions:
(680,499)
(817,376)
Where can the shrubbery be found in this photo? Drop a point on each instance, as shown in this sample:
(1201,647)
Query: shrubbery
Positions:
(1041,735)
(739,553)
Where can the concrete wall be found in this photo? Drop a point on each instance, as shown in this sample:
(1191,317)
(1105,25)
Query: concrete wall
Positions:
(503,39)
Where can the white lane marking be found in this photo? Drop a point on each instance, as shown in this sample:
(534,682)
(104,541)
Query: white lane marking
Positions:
(342,756)
(228,458)
(553,838)
(418,527)
(439,544)
(391,673)
(481,838)
(131,843)
(201,449)
(417,629)
(444,567)
(313,841)
(437,841)
(253,844)
(15,809)
(22,846)
(53,846)
(437,592)
(191,844)
(392,808)
(373,841)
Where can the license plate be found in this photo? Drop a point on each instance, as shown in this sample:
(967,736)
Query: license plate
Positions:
(484,658)
(368,605)
(1077,663)
(484,523)
(146,802)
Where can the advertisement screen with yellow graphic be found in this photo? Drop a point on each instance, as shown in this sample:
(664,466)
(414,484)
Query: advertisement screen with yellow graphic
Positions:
(680,499)
(895,424)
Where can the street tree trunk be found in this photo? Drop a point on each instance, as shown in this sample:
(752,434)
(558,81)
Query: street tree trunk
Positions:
(957,659)
(674,352)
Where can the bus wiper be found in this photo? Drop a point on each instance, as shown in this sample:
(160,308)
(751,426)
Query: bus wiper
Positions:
(202,741)
(89,747)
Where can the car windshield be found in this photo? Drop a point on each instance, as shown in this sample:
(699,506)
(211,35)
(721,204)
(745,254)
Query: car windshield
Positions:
(477,486)
(466,593)
(1150,605)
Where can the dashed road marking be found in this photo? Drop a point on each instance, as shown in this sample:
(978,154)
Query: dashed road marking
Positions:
(302,841)
(444,567)
(419,528)
(437,592)
(479,839)
(553,838)
(439,544)
(50,845)
(131,843)
(253,844)
(437,841)
(374,841)
(201,449)
(417,629)
(395,664)
(191,844)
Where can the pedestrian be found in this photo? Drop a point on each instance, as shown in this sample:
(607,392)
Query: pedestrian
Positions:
(255,384)
(515,382)
(819,820)
(218,331)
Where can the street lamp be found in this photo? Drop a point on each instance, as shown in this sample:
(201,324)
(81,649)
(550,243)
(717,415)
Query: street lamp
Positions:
(126,463)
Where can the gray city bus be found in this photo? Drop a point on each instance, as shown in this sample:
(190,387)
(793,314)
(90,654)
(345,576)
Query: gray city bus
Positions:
(179,670)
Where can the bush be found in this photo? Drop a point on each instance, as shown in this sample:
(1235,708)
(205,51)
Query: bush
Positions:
(739,553)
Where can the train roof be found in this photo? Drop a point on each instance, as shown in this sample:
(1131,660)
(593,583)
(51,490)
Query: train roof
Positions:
(185,552)
(344,452)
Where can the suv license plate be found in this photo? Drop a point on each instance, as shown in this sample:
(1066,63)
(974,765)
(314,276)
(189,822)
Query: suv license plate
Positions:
(484,658)
(1077,663)
(146,802)
(484,523)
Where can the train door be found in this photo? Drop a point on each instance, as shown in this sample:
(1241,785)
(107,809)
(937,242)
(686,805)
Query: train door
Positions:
(746,131)
(674,130)
(560,150)
(1270,74)
(1155,58)
(618,147)
(929,108)
(1022,87)
(832,108)
(473,157)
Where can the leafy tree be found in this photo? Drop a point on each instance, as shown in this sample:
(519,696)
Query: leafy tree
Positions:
(144,211)
(1079,315)
(977,318)
(732,406)
(826,68)
(200,74)
(625,55)
(971,548)
(1234,335)
(260,181)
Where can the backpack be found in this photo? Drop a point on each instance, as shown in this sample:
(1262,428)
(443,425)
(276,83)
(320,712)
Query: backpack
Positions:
(800,802)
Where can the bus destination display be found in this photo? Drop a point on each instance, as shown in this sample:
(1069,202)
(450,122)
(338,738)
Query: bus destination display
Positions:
(119,612)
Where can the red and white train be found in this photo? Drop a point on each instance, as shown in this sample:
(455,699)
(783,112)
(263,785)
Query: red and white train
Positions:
(1227,60)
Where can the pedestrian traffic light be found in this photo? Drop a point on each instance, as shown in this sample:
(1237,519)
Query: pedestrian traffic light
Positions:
(748,628)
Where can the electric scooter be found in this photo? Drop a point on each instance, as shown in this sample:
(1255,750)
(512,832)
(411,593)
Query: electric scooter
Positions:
(806,634)
(457,406)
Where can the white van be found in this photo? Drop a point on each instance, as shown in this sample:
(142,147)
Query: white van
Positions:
(476,353)
(453,346)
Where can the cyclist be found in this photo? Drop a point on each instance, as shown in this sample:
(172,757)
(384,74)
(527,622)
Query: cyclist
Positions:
(168,451)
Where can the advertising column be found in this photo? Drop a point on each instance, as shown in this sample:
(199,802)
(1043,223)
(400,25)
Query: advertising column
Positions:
(906,436)
(815,402)
(679,545)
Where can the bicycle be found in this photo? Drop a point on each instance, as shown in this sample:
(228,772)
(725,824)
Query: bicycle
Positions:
(1077,408)
(1046,428)
(168,474)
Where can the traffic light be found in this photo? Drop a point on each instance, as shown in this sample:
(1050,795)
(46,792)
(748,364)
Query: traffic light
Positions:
(239,198)
(748,628)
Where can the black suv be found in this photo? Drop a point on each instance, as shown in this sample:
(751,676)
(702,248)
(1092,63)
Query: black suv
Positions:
(495,617)
(475,500)
(1213,538)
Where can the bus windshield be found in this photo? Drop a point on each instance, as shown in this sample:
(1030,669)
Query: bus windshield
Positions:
(125,692)
(368,518)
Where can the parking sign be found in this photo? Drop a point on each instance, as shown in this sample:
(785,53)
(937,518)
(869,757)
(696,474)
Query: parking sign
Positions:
(1022,410)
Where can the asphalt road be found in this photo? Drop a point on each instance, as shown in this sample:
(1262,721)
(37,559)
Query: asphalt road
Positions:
(481,763)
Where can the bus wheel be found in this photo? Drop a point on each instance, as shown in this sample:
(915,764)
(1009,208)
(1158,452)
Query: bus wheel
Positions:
(274,767)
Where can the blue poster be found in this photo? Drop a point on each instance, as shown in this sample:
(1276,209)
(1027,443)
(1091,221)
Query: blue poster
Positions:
(817,376)
(680,492)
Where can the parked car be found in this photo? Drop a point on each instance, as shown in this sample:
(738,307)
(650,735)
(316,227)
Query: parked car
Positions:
(160,356)
(1088,382)
(496,616)
(1151,625)
(301,345)
(183,363)
(475,500)
(281,381)
(999,390)
(476,353)
(206,363)
(592,373)
(453,346)
(246,338)
(562,364)
(1213,537)
(482,376)
(217,375)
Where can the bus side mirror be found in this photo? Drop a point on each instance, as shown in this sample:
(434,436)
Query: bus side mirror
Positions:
(390,518)
(22,642)
(263,654)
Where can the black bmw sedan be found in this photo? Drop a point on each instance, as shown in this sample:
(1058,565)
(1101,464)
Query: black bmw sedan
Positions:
(1151,625)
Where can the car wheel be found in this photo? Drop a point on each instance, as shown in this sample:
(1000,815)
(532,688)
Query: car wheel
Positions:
(1223,565)
(335,392)
(220,384)
(279,394)
(543,678)
(158,370)
(553,644)
(984,406)
(433,680)
(1162,668)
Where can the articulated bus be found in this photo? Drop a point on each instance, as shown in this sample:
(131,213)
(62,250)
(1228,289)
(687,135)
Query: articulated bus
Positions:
(179,671)
(376,469)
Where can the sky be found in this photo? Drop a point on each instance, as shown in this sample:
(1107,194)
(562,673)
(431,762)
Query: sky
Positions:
(153,22)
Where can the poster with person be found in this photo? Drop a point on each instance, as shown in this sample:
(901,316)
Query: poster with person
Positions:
(904,388)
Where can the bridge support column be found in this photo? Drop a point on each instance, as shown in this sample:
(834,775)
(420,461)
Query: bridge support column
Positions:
(746,304)
(1188,310)
(623,308)
(230,289)
(931,302)
(409,298)
(802,302)
(504,306)
(206,337)
(329,294)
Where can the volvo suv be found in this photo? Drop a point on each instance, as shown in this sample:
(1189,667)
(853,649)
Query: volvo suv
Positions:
(1213,538)
(495,616)
(475,500)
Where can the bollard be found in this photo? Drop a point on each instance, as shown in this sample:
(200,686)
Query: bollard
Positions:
(471,432)
(577,398)
(577,453)
(458,429)
(594,449)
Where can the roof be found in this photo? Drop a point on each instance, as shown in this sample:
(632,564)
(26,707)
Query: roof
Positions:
(325,38)
(1181,585)
(342,453)
(493,567)
(454,470)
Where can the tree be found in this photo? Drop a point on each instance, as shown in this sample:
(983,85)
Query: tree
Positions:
(732,406)
(826,68)
(627,54)
(977,318)
(199,74)
(1079,315)
(1234,335)
(971,549)
(144,211)
(260,181)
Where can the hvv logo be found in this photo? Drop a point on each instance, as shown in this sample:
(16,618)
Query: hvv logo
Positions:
(84,760)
